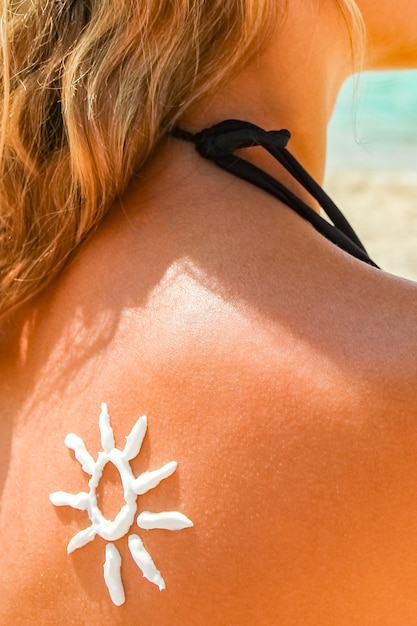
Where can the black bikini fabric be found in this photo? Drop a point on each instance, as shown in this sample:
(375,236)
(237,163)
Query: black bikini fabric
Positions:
(218,144)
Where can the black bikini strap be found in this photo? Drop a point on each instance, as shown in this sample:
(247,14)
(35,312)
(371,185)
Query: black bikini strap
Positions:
(218,144)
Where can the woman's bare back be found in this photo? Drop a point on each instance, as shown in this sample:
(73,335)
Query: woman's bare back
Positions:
(284,389)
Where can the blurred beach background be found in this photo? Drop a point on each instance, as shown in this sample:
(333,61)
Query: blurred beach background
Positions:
(372,165)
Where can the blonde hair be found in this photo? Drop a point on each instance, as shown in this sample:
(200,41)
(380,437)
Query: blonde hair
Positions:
(356,31)
(89,87)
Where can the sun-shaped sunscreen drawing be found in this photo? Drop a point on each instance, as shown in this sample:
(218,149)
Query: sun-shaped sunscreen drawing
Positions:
(111,530)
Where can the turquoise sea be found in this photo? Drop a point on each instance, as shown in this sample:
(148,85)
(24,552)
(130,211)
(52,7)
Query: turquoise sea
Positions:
(374,125)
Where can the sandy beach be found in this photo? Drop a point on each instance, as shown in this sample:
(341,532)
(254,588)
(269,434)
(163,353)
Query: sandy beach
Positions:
(382,208)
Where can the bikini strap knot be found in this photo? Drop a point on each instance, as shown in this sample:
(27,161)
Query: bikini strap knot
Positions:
(229,135)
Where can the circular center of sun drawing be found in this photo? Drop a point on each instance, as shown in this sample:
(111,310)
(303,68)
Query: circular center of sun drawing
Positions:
(112,530)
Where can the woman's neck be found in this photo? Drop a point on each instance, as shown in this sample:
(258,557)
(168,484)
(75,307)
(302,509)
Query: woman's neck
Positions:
(274,92)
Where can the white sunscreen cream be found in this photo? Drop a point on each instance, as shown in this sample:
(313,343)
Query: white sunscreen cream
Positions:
(112,530)
(112,575)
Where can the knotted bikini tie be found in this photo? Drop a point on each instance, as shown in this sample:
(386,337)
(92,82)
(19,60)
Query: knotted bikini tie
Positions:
(219,143)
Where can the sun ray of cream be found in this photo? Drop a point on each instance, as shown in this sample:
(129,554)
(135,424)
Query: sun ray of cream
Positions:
(149,480)
(112,575)
(80,501)
(167,520)
(106,431)
(135,439)
(81,539)
(144,561)
(75,443)
(115,529)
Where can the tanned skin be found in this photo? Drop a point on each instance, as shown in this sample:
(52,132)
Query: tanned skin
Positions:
(277,370)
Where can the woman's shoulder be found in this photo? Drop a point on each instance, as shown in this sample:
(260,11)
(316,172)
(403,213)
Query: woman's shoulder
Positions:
(290,412)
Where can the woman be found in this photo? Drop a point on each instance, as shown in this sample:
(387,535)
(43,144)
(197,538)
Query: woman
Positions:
(276,368)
